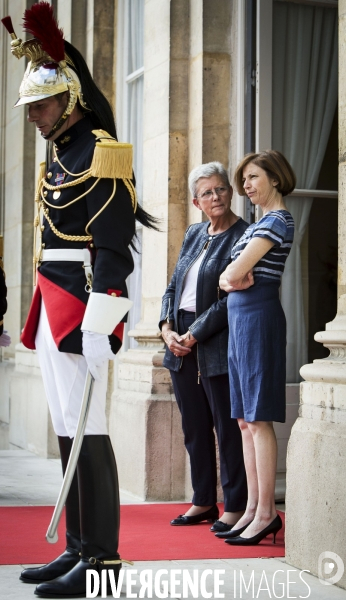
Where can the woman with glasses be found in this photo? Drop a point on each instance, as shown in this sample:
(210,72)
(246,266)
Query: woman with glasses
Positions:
(194,327)
(257,336)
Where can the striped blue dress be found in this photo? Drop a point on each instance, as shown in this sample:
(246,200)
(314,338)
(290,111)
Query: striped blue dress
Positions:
(257,327)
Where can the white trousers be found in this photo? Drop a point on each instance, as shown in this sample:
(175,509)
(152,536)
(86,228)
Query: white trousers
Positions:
(63,378)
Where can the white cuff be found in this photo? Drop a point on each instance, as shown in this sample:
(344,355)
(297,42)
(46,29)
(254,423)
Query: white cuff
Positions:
(104,312)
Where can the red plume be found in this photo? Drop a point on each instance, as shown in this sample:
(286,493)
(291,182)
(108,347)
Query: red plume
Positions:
(7,22)
(39,20)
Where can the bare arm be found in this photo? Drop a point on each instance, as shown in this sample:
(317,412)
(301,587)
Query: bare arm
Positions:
(238,275)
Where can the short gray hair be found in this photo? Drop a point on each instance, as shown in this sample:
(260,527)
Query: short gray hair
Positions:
(207,170)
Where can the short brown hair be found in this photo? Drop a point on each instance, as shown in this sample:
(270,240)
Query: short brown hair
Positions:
(276,166)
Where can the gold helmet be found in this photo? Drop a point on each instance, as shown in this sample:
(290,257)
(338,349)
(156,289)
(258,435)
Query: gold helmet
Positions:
(50,70)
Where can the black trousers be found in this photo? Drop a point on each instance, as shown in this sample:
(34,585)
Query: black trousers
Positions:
(203,406)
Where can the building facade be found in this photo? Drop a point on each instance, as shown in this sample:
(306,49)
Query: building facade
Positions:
(193,81)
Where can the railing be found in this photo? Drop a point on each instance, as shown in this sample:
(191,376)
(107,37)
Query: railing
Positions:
(314,193)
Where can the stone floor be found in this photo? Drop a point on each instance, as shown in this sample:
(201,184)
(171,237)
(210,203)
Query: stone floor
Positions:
(27,479)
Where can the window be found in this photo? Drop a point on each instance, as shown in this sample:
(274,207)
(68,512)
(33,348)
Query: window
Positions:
(295,78)
(131,53)
(304,100)
(130,77)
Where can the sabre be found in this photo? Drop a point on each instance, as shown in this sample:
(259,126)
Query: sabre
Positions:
(51,535)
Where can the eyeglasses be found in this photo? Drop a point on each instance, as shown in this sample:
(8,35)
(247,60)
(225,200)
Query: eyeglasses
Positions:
(208,194)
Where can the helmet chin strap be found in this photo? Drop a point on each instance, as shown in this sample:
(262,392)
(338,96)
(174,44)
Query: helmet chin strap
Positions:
(57,125)
(72,101)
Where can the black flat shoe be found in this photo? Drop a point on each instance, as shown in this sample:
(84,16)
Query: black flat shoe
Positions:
(61,565)
(232,534)
(220,526)
(273,528)
(210,515)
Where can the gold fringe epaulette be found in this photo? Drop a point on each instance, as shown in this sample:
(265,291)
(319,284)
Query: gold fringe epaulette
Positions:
(112,159)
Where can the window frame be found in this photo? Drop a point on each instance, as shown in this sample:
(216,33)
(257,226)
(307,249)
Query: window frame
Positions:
(123,80)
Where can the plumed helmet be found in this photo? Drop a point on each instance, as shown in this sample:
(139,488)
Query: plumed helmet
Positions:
(48,79)
(50,70)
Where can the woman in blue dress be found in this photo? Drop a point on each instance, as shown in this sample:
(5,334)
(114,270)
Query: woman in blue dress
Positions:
(257,336)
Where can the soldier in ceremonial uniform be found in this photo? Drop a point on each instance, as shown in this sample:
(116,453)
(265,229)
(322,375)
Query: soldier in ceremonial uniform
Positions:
(86,211)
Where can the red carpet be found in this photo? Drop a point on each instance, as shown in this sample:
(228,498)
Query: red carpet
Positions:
(145,535)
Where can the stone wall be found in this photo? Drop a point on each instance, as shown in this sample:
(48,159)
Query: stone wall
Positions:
(143,403)
(187,121)
(17,160)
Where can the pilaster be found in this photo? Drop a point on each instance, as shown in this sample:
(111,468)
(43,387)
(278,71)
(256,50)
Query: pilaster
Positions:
(212,102)
(17,186)
(145,423)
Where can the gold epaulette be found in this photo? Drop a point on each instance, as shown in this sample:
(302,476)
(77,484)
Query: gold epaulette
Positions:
(111,159)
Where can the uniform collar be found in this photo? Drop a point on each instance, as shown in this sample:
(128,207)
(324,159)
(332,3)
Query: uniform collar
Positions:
(73,133)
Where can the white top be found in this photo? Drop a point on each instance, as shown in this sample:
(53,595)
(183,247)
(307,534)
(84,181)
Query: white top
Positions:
(188,297)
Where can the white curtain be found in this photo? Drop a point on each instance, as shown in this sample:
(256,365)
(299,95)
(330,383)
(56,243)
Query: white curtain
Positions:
(134,111)
(305,74)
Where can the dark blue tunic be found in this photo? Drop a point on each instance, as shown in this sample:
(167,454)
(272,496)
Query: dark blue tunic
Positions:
(112,232)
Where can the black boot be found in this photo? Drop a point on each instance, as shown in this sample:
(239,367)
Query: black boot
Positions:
(66,561)
(100,519)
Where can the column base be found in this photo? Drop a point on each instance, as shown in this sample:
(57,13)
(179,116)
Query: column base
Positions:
(316,478)
(145,427)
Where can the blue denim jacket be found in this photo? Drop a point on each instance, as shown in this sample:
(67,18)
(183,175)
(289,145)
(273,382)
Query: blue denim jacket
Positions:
(211,325)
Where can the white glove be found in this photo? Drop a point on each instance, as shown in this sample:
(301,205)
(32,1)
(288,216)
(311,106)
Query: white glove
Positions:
(96,349)
(5,339)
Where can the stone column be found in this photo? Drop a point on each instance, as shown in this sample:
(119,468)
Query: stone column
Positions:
(212,106)
(17,153)
(316,461)
(103,68)
(17,160)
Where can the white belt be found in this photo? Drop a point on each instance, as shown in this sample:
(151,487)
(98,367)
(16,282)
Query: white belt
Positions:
(65,254)
(75,255)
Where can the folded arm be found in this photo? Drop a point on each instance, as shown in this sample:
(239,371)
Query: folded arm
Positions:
(238,275)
